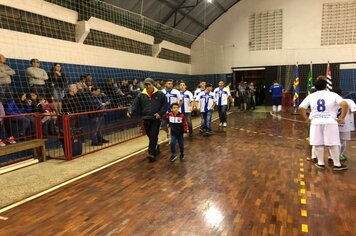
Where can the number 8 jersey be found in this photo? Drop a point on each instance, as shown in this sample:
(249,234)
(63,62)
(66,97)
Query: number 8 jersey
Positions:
(323,105)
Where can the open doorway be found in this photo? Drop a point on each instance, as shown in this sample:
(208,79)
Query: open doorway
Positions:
(248,76)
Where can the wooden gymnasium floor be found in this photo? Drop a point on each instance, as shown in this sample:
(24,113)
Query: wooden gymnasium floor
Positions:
(248,179)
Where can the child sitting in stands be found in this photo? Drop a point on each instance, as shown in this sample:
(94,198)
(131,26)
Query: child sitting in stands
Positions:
(48,121)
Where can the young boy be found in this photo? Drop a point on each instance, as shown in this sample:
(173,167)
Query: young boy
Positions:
(206,103)
(177,127)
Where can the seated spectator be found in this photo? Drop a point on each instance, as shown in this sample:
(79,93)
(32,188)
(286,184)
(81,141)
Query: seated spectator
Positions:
(70,104)
(57,83)
(100,102)
(112,91)
(21,105)
(125,96)
(70,100)
(34,100)
(3,133)
(88,82)
(48,121)
(135,87)
(37,77)
(81,83)
(5,81)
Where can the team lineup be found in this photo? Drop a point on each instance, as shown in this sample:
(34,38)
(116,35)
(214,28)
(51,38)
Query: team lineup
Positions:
(331,117)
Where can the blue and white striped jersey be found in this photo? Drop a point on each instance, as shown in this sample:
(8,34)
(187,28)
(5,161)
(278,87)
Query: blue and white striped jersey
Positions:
(205,101)
(221,96)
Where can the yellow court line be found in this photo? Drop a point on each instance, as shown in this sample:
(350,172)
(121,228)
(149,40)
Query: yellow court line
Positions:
(301,169)
(302,183)
(302,191)
(304,213)
(305,228)
(303,201)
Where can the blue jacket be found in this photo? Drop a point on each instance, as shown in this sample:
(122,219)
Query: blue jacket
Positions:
(13,109)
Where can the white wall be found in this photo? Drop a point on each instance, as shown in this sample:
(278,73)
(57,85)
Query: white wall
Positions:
(225,43)
(19,45)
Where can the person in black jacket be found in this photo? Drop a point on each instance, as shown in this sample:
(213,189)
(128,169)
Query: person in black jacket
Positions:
(152,105)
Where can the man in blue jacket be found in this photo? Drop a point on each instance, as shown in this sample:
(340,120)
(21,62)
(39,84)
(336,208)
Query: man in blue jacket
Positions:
(151,105)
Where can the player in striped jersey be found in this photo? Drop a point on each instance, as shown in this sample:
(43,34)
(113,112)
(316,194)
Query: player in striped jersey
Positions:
(173,96)
(222,97)
(187,105)
(324,130)
(205,103)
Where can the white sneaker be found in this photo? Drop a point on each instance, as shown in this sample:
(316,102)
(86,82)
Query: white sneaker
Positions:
(224,124)
(2,144)
(220,124)
(11,140)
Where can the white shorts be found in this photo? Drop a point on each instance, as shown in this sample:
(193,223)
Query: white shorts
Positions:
(345,136)
(325,134)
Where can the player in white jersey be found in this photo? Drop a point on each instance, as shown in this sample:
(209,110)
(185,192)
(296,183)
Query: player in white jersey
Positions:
(205,103)
(173,96)
(324,130)
(222,97)
(347,127)
(187,105)
(201,88)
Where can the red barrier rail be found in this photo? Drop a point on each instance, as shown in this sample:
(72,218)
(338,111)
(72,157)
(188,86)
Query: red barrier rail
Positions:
(73,135)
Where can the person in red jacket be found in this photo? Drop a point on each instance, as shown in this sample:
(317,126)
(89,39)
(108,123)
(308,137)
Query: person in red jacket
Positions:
(177,127)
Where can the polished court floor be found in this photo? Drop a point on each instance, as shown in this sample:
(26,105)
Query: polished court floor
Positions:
(250,178)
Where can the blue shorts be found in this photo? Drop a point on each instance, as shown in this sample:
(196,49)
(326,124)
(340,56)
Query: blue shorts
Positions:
(277,101)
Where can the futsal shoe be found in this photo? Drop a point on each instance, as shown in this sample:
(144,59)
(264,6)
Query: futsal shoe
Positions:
(105,141)
(313,160)
(208,133)
(173,157)
(151,158)
(181,157)
(320,166)
(339,168)
(224,124)
(220,124)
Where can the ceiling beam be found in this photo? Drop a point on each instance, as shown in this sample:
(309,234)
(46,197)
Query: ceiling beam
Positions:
(218,5)
(178,9)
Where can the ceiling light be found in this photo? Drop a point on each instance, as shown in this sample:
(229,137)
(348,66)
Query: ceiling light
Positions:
(209,1)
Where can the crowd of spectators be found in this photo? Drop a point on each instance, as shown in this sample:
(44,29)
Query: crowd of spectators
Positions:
(51,93)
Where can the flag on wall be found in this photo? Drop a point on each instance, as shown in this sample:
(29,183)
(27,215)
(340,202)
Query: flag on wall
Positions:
(296,89)
(310,79)
(328,76)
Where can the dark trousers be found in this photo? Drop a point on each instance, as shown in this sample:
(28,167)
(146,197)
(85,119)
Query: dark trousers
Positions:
(188,115)
(96,125)
(222,113)
(25,125)
(174,139)
(152,131)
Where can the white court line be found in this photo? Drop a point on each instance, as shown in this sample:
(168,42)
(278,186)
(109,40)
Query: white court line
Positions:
(287,118)
(75,179)
(3,218)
